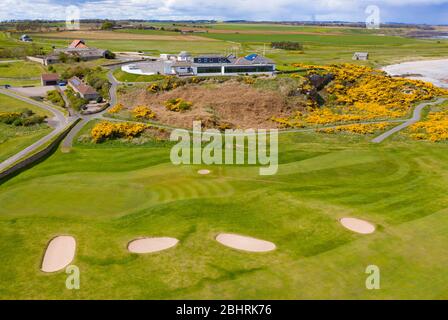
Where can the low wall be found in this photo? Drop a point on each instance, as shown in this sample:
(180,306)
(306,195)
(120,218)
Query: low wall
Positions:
(35,158)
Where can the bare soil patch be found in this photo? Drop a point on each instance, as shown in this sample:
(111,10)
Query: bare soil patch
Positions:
(226,105)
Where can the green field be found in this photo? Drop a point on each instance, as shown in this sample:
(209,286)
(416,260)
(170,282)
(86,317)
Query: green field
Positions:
(129,77)
(20,73)
(149,46)
(109,194)
(318,48)
(12,138)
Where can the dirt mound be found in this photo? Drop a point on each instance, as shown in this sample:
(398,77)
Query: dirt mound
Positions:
(226,105)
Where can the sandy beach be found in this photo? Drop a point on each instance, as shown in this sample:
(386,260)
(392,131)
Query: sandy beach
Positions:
(434,71)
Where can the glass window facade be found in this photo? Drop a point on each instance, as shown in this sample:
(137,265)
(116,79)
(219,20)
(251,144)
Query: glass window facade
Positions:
(209,70)
(248,69)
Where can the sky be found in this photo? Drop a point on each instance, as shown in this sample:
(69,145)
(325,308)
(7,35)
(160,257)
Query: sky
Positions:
(406,11)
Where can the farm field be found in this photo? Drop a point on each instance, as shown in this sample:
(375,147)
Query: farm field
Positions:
(20,73)
(320,180)
(334,46)
(15,138)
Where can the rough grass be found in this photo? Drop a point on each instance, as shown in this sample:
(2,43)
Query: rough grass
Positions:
(108,195)
(13,139)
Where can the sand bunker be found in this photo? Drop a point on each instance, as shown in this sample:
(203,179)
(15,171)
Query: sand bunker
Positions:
(204,171)
(59,254)
(244,243)
(147,245)
(358,225)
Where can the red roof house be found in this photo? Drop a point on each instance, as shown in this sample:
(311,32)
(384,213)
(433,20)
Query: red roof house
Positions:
(78,44)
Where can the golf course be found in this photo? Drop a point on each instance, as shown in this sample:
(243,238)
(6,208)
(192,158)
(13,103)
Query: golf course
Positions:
(140,227)
(107,195)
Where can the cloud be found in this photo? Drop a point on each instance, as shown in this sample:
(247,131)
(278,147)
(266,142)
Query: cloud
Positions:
(349,10)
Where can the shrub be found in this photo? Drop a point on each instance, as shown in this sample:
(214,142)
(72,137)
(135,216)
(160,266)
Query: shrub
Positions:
(107,130)
(116,108)
(56,98)
(286,45)
(24,118)
(178,104)
(143,112)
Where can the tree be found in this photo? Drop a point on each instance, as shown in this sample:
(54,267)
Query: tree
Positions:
(109,55)
(63,57)
(107,25)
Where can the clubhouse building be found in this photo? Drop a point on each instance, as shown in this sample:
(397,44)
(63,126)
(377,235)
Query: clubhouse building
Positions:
(184,64)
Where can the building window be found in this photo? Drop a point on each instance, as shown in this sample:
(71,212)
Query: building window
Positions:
(209,70)
(248,69)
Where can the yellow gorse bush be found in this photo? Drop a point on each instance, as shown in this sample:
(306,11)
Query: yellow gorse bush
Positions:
(357,128)
(177,104)
(360,93)
(434,128)
(143,112)
(116,108)
(108,130)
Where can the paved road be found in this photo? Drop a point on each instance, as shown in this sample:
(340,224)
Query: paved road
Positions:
(415,118)
(67,143)
(59,120)
(9,61)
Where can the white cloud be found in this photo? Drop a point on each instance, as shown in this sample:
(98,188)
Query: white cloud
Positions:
(206,9)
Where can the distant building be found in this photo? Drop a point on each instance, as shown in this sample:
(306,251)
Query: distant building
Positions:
(361,56)
(78,44)
(25,38)
(51,79)
(77,49)
(84,90)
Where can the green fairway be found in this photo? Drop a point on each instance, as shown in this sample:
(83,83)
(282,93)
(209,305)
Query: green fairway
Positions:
(15,138)
(106,195)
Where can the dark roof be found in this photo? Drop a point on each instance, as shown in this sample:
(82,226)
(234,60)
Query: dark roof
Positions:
(82,52)
(50,77)
(81,86)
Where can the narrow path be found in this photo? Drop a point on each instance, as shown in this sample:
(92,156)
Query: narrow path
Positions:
(415,118)
(59,120)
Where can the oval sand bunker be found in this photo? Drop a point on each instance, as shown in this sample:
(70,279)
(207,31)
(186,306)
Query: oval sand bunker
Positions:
(59,254)
(358,225)
(148,245)
(204,171)
(244,243)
